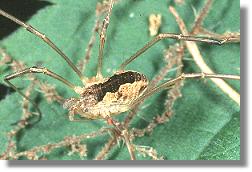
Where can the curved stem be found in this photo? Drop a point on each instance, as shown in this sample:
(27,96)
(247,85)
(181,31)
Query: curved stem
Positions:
(194,51)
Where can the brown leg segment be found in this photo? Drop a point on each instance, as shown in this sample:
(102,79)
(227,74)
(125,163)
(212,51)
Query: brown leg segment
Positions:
(172,82)
(34,70)
(45,39)
(170,36)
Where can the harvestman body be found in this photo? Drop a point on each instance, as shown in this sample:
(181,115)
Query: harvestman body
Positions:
(103,97)
(112,96)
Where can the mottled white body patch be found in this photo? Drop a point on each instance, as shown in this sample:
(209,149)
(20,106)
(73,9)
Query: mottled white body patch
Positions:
(115,101)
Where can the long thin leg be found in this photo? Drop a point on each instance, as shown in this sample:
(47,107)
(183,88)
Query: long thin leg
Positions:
(183,76)
(101,8)
(122,131)
(27,98)
(199,19)
(103,39)
(197,57)
(39,70)
(198,29)
(45,39)
(171,36)
(34,70)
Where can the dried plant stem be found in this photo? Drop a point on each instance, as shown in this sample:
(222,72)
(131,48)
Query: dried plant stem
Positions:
(21,124)
(176,60)
(199,19)
(108,146)
(148,151)
(101,8)
(5,57)
(130,115)
(198,29)
(83,63)
(122,131)
(194,51)
(45,149)
(173,57)
(50,93)
(9,150)
(130,146)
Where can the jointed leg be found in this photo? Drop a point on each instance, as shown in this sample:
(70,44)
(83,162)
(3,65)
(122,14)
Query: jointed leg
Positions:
(102,39)
(197,57)
(122,131)
(39,70)
(171,36)
(101,8)
(34,70)
(183,76)
(45,39)
(27,98)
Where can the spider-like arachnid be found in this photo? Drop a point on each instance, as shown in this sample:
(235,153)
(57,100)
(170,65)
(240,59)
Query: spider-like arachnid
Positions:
(103,97)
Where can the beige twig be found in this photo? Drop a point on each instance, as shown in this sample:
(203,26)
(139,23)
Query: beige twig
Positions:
(108,146)
(199,19)
(148,151)
(32,154)
(194,51)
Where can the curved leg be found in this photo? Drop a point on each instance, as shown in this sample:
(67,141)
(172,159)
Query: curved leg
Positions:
(45,39)
(35,70)
(171,36)
(27,98)
(122,131)
(183,76)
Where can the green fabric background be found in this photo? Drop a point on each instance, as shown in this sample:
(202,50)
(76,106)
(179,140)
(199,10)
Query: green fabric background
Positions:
(206,123)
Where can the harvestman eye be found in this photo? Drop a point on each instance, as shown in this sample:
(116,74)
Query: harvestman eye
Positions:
(103,98)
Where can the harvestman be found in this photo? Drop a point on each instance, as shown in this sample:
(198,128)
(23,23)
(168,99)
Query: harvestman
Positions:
(103,97)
